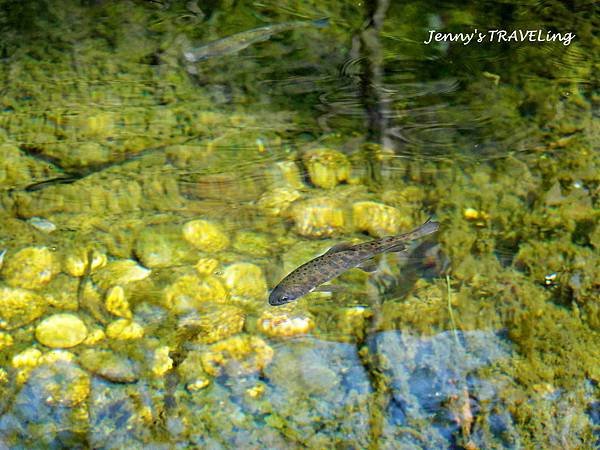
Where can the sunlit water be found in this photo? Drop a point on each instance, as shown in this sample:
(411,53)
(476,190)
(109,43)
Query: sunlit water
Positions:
(112,146)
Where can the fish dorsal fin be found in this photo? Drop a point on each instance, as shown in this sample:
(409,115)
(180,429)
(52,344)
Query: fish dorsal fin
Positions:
(339,248)
(370,265)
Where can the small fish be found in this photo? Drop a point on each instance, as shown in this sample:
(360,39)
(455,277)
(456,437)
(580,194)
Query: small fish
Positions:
(239,41)
(340,258)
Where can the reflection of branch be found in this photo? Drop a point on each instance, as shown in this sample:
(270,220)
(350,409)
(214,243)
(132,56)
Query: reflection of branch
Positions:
(374,99)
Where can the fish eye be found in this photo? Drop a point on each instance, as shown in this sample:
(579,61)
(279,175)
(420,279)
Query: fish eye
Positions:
(284,298)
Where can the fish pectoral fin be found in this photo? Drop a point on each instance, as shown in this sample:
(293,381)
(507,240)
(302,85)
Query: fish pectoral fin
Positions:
(339,248)
(328,288)
(370,265)
(398,248)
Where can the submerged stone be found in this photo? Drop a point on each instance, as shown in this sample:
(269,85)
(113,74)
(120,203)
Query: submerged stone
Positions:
(116,303)
(326,167)
(61,331)
(205,236)
(110,365)
(19,307)
(238,355)
(215,322)
(378,219)
(284,323)
(120,272)
(124,329)
(163,246)
(275,202)
(189,292)
(245,280)
(30,268)
(318,217)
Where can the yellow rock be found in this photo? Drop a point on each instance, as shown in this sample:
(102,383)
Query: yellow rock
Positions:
(479,217)
(120,272)
(245,280)
(191,291)
(326,168)
(216,322)
(275,202)
(286,174)
(30,268)
(378,219)
(161,363)
(76,262)
(197,385)
(318,217)
(124,329)
(19,307)
(61,331)
(205,236)
(206,266)
(278,323)
(256,391)
(27,358)
(238,355)
(55,356)
(6,340)
(94,337)
(116,303)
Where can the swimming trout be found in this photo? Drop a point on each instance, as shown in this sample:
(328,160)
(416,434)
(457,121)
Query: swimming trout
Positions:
(239,41)
(339,259)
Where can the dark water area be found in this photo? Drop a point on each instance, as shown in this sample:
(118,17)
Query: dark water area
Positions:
(164,164)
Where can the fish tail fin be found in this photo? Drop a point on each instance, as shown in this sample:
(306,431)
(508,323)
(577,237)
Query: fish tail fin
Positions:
(321,23)
(399,243)
(427,228)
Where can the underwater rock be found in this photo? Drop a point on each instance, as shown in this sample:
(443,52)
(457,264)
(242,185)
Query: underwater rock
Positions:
(30,268)
(94,336)
(206,266)
(163,246)
(378,219)
(120,272)
(19,307)
(326,168)
(438,373)
(215,322)
(332,385)
(286,174)
(238,355)
(41,224)
(189,292)
(191,372)
(318,217)
(245,280)
(56,355)
(275,202)
(124,329)
(60,383)
(284,323)
(6,340)
(61,331)
(116,303)
(161,362)
(251,243)
(27,358)
(205,236)
(76,262)
(110,365)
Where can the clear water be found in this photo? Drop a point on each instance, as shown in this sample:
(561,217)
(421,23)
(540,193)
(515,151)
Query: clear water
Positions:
(486,335)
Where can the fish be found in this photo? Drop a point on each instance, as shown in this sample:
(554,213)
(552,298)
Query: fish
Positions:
(239,41)
(340,258)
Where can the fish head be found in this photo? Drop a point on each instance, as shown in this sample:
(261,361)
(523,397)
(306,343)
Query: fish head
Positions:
(282,295)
